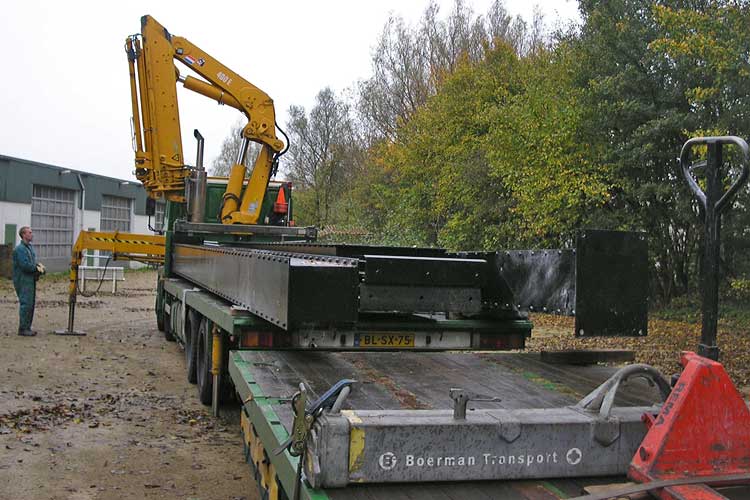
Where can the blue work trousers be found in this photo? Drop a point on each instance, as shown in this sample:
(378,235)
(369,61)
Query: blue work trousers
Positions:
(26,291)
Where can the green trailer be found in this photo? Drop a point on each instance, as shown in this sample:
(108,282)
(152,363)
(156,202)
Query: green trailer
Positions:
(393,343)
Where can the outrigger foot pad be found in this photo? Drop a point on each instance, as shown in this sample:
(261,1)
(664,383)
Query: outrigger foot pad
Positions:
(72,333)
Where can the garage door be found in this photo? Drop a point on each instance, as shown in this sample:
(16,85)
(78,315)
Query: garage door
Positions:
(52,218)
(115,215)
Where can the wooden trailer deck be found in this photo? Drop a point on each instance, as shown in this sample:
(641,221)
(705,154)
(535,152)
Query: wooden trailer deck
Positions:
(409,380)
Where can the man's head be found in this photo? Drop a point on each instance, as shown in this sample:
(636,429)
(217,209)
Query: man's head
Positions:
(26,234)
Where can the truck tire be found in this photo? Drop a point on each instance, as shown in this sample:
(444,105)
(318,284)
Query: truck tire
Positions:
(159,303)
(191,339)
(159,315)
(173,323)
(203,349)
(168,323)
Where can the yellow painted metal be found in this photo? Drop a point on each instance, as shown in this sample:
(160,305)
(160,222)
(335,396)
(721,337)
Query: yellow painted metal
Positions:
(146,248)
(252,198)
(208,90)
(145,117)
(130,49)
(356,440)
(161,168)
(216,352)
(273,483)
(159,160)
(245,426)
(249,207)
(259,458)
(233,191)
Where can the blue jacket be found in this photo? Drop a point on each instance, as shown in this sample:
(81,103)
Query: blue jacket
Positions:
(24,265)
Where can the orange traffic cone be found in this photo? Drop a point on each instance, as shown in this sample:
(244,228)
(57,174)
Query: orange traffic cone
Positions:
(281,206)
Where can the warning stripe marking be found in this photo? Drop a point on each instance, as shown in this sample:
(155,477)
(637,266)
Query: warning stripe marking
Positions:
(132,242)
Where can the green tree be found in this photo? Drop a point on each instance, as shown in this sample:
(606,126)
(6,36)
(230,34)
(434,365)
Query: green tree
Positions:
(495,159)
(709,47)
(650,85)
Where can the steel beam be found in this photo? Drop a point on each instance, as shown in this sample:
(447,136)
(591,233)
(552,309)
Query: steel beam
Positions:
(283,289)
(591,438)
(381,446)
(307,233)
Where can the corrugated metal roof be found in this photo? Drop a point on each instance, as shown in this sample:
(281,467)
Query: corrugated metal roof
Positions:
(18,175)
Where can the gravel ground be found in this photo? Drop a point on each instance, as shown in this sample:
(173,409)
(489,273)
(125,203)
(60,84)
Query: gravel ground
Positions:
(111,414)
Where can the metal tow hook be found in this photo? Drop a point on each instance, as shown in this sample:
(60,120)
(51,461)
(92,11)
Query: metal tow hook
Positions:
(304,418)
(461,398)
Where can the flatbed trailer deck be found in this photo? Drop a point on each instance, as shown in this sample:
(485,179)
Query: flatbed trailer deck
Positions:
(266,380)
(271,337)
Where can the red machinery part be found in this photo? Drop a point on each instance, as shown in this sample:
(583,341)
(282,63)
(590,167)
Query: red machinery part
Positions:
(702,430)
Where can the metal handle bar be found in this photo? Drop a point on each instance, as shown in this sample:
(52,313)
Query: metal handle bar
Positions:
(736,185)
(603,397)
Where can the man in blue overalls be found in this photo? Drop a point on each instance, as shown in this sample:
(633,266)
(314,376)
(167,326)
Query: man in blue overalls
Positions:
(26,270)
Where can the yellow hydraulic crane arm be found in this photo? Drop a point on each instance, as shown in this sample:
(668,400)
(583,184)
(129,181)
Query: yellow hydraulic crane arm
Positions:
(145,248)
(159,160)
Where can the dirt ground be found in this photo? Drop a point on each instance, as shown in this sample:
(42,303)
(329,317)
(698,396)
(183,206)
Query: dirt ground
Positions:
(108,415)
(661,348)
(111,415)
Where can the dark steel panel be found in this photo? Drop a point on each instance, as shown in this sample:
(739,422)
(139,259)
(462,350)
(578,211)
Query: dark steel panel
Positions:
(424,271)
(498,300)
(284,289)
(321,291)
(542,280)
(612,284)
(408,299)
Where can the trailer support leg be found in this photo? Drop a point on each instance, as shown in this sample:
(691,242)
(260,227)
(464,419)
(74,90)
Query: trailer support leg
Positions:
(217,353)
(70,330)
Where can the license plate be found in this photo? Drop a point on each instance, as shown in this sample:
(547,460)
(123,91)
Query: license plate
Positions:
(384,340)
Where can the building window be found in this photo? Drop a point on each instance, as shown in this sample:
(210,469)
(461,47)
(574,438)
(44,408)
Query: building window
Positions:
(52,216)
(159,216)
(115,214)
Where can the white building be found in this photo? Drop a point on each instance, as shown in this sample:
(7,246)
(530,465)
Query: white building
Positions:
(58,203)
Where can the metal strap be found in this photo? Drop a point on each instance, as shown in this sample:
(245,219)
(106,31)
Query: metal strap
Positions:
(657,485)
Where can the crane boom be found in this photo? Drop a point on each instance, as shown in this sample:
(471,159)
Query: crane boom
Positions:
(159,160)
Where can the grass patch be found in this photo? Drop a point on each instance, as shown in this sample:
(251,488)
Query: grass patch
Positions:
(732,313)
(549,385)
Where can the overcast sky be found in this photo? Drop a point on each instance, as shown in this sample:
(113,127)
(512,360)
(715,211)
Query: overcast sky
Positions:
(64,92)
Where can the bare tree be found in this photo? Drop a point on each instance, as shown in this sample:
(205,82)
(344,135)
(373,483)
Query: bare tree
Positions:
(222,164)
(322,152)
(400,80)
(409,63)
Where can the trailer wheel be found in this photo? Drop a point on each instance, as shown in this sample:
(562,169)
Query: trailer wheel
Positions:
(204,346)
(159,315)
(191,339)
(168,324)
(159,303)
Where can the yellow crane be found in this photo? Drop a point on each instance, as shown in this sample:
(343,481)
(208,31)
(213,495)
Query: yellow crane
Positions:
(159,160)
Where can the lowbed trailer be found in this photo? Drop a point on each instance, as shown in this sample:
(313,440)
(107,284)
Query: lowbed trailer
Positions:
(373,372)
(412,334)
